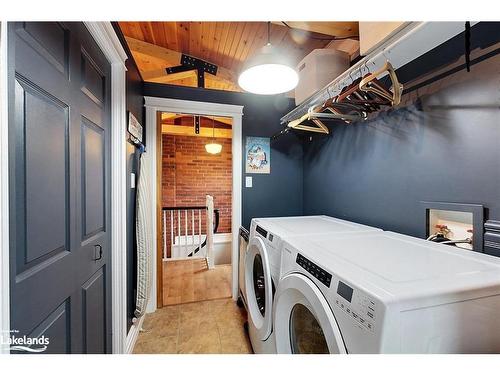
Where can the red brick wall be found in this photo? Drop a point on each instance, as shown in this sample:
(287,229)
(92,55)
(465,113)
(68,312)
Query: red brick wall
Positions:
(189,173)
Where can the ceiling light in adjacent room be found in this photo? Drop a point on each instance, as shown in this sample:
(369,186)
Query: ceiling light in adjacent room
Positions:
(213,147)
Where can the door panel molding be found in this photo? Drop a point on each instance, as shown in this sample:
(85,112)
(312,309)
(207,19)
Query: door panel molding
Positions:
(93,293)
(38,251)
(61,63)
(91,134)
(59,319)
(107,40)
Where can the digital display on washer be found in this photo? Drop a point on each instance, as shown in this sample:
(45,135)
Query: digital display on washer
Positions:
(345,291)
(314,270)
(261,231)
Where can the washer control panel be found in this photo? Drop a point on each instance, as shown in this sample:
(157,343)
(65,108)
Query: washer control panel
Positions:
(315,270)
(357,305)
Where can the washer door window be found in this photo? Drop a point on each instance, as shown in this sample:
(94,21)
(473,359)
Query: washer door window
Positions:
(258,287)
(303,320)
(306,335)
(259,284)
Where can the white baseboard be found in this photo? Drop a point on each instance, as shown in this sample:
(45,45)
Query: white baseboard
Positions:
(132,335)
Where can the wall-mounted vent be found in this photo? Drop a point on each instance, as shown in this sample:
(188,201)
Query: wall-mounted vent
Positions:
(456,222)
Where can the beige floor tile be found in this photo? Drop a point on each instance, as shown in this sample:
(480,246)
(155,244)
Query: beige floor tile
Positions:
(163,345)
(201,342)
(187,281)
(231,328)
(235,345)
(201,327)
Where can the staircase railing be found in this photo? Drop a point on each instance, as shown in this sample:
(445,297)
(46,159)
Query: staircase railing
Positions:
(216,227)
(183,236)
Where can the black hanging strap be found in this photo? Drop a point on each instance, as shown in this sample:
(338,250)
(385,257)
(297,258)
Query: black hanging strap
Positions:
(467,45)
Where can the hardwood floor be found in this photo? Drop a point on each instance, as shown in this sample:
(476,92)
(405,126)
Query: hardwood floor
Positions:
(214,326)
(187,281)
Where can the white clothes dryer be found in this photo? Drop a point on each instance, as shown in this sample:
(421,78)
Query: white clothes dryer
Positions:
(385,293)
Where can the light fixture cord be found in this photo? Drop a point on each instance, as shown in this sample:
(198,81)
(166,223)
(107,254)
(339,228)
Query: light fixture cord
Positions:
(213,128)
(269,32)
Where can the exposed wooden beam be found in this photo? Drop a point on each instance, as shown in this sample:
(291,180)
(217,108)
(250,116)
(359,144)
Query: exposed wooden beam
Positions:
(170,115)
(189,131)
(171,58)
(339,29)
(161,73)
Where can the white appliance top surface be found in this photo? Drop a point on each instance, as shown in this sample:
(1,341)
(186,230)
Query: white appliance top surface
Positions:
(301,225)
(399,264)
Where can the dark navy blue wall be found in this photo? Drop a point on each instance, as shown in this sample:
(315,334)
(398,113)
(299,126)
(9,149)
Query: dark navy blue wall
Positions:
(275,194)
(443,144)
(134,104)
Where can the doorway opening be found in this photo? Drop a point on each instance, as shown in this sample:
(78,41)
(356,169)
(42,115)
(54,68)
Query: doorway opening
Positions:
(196,198)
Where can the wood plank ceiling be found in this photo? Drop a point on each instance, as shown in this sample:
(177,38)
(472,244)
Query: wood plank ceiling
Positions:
(158,45)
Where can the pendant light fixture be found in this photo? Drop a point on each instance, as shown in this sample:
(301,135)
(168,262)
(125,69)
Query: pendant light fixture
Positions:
(268,72)
(213,147)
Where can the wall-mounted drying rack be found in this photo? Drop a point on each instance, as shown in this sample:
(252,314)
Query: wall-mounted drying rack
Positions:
(408,43)
(354,102)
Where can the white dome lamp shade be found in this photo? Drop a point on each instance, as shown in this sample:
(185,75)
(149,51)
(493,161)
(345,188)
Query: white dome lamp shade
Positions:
(213,147)
(268,72)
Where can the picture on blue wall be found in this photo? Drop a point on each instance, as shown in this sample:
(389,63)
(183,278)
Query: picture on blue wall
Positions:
(258,155)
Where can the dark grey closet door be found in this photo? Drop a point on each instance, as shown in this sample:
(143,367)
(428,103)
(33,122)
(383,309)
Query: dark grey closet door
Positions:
(59,132)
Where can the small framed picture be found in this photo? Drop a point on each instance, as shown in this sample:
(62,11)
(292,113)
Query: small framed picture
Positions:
(258,155)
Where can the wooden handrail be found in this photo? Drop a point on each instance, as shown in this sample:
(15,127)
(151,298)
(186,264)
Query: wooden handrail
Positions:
(179,208)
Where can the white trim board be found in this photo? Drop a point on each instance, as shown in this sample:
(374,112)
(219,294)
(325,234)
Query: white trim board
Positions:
(155,104)
(133,335)
(4,192)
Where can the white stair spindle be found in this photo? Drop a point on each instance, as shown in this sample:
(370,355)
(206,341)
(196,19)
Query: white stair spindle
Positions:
(178,233)
(199,231)
(171,233)
(192,232)
(186,233)
(210,232)
(164,234)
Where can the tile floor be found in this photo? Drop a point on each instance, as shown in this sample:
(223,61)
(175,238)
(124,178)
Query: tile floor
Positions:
(190,280)
(206,327)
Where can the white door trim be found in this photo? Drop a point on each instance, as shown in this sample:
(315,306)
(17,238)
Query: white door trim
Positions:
(4,192)
(105,37)
(133,335)
(155,104)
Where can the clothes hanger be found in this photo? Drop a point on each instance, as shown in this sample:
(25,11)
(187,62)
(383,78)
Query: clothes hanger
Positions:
(370,84)
(298,125)
(316,114)
(367,100)
(346,111)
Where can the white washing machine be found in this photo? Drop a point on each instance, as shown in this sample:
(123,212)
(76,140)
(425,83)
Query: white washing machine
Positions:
(262,266)
(386,293)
